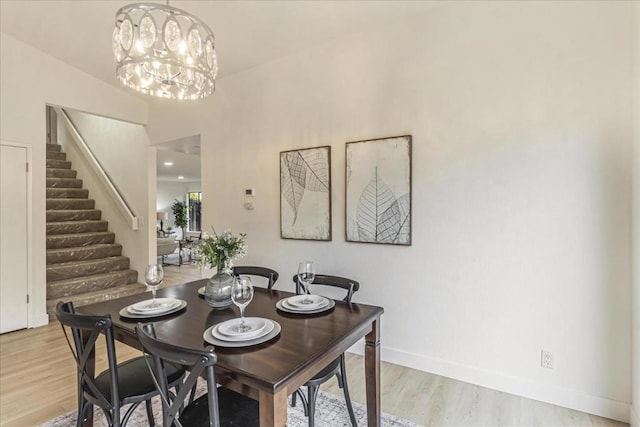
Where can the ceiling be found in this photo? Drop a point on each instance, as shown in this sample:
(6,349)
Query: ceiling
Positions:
(248,33)
(184,153)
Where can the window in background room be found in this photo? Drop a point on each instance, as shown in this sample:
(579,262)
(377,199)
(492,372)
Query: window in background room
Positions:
(194,201)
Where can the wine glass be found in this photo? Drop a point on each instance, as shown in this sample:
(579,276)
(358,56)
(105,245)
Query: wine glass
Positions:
(153,276)
(306,274)
(241,295)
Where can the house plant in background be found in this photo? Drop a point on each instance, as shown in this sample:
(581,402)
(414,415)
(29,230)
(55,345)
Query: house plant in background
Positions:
(180,216)
(219,250)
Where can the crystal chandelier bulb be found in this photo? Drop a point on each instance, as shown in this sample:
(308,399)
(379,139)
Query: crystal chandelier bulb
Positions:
(163,51)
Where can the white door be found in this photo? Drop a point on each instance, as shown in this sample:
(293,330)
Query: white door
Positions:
(14,309)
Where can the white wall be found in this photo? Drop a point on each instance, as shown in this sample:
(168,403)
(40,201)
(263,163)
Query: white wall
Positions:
(29,79)
(635,355)
(122,149)
(522,126)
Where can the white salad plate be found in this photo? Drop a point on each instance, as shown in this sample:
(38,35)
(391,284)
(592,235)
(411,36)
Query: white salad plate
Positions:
(125,312)
(296,302)
(251,335)
(211,339)
(161,305)
(254,325)
(282,305)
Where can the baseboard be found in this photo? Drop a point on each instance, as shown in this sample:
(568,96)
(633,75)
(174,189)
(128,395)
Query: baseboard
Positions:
(634,419)
(555,395)
(39,320)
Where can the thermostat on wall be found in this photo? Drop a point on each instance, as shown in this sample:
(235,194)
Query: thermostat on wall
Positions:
(249,192)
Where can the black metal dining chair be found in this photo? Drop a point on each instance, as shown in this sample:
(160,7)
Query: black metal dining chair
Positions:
(218,407)
(338,366)
(121,384)
(268,273)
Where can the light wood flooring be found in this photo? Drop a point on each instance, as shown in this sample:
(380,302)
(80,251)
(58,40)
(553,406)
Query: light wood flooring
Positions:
(37,383)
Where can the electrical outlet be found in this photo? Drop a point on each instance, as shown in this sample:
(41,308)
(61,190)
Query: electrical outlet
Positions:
(546,360)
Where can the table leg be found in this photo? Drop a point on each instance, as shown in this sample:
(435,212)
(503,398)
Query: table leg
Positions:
(273,409)
(372,374)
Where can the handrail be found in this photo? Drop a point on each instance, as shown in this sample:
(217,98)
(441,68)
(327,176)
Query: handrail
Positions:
(122,205)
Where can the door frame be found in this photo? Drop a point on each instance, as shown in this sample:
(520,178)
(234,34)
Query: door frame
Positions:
(30,306)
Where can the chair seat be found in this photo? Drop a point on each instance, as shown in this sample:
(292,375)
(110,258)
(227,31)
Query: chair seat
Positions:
(134,379)
(235,410)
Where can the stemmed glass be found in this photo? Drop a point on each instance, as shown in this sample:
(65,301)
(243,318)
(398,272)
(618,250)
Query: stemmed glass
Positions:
(153,276)
(241,295)
(306,274)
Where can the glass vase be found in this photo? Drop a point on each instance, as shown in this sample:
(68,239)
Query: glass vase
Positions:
(217,293)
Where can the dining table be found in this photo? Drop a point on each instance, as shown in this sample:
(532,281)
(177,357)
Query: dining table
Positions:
(271,371)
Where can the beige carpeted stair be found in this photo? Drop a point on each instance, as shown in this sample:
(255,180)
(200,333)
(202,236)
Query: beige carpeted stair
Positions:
(84,265)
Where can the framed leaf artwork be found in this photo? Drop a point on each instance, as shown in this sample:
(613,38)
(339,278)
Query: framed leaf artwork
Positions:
(305,194)
(378,191)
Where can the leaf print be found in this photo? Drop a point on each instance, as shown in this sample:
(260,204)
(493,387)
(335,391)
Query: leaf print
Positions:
(404,233)
(375,200)
(297,167)
(389,224)
(317,170)
(291,189)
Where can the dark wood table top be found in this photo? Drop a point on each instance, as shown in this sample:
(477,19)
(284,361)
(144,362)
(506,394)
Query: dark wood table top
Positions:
(301,349)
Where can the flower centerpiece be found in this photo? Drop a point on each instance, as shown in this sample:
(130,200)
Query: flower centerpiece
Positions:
(219,250)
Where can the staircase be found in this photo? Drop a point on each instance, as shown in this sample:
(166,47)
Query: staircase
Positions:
(84,265)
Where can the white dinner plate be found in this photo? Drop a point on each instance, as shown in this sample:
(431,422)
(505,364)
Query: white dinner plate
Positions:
(208,337)
(281,305)
(128,314)
(246,337)
(317,301)
(229,327)
(201,290)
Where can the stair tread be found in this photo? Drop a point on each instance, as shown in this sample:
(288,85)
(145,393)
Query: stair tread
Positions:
(126,272)
(61,173)
(86,262)
(78,222)
(102,233)
(79,248)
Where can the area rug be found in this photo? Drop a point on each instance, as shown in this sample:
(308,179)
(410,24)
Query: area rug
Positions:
(331,411)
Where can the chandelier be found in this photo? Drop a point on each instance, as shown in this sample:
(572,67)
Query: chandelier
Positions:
(164,52)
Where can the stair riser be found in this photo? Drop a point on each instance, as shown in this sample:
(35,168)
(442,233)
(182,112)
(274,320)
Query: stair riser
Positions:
(82,286)
(76,227)
(64,272)
(58,164)
(76,240)
(73,215)
(52,155)
(67,193)
(66,255)
(61,204)
(61,173)
(54,148)
(64,183)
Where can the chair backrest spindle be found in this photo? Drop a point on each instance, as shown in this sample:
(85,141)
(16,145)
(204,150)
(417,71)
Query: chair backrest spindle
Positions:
(268,273)
(349,285)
